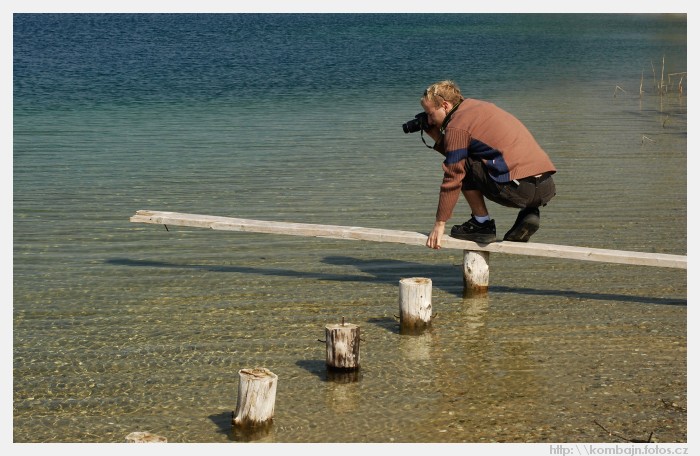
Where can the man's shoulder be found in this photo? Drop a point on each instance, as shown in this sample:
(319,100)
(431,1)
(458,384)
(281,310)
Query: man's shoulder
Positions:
(471,110)
(473,103)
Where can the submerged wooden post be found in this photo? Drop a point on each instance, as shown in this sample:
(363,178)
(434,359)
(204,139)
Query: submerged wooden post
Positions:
(256,397)
(145,437)
(475,270)
(343,346)
(415,303)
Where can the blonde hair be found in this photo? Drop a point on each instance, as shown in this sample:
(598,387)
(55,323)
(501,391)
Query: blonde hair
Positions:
(444,90)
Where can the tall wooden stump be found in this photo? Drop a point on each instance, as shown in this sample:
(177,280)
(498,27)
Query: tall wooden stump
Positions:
(343,346)
(476,272)
(415,304)
(256,398)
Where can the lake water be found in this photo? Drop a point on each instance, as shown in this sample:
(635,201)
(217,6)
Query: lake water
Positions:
(121,327)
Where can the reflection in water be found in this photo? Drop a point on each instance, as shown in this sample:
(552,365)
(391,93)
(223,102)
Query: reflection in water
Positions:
(416,347)
(474,310)
(494,386)
(343,391)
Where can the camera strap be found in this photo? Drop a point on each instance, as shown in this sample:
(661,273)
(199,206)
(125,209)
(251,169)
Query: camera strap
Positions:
(426,144)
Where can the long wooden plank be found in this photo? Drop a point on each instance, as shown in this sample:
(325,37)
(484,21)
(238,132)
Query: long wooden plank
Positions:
(407,237)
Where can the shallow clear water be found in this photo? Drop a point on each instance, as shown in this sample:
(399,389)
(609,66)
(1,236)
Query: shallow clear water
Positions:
(119,327)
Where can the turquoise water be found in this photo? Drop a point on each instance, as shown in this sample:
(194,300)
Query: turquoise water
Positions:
(120,327)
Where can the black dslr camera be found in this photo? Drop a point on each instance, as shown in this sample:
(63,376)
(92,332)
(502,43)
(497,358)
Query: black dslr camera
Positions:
(420,122)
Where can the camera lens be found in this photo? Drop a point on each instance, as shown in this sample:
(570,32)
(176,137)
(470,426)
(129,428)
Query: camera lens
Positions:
(416,124)
(412,126)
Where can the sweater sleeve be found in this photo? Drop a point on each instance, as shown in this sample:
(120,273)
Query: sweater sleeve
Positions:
(450,189)
(439,146)
(456,143)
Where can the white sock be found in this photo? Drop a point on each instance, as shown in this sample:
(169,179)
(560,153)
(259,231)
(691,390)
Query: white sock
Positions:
(482,218)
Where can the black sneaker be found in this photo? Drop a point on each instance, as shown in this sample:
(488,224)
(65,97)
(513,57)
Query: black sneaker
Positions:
(471,230)
(525,225)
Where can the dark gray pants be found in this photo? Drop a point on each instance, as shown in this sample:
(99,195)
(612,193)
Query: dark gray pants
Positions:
(527,192)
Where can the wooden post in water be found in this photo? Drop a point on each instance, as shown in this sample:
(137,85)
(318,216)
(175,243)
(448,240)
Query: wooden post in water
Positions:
(256,398)
(343,346)
(415,304)
(475,270)
(145,437)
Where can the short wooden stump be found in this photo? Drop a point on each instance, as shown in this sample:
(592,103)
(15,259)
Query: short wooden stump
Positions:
(256,397)
(343,346)
(475,271)
(415,304)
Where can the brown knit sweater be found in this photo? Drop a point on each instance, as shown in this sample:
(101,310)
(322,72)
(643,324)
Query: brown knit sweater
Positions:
(484,131)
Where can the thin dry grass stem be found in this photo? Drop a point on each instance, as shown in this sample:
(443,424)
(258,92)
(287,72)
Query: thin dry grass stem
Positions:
(663,65)
(617,87)
(671,76)
(646,138)
(662,85)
